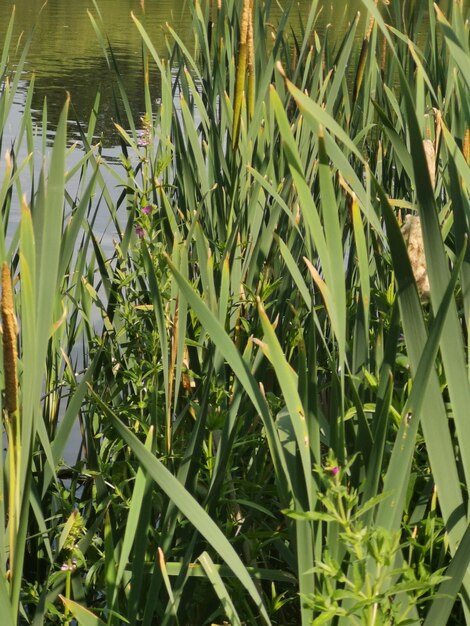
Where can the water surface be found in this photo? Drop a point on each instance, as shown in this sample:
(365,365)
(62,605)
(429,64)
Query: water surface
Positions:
(65,54)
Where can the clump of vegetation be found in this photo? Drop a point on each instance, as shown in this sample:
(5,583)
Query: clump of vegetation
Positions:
(272,414)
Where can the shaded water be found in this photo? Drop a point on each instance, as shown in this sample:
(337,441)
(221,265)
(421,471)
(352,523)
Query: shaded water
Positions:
(65,55)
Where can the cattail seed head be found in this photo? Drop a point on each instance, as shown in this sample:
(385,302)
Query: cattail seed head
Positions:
(413,236)
(10,353)
(466,146)
(245,22)
(430,160)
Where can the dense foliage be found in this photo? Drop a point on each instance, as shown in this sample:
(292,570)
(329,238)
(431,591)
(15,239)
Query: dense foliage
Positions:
(266,371)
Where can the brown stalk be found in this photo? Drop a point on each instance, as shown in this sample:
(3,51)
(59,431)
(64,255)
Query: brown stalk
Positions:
(241,71)
(466,146)
(430,160)
(250,65)
(383,55)
(10,353)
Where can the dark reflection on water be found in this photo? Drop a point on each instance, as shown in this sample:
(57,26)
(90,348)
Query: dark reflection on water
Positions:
(66,56)
(83,83)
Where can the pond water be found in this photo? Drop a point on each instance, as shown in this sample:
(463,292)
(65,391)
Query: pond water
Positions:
(65,54)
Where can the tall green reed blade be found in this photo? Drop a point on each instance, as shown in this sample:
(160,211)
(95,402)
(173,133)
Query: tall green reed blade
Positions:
(309,210)
(459,180)
(227,438)
(316,117)
(67,423)
(258,573)
(458,45)
(47,225)
(171,523)
(325,235)
(304,490)
(188,470)
(220,589)
(167,93)
(5,601)
(452,346)
(361,338)
(451,343)
(75,223)
(333,102)
(39,254)
(333,240)
(293,267)
(202,522)
(25,128)
(441,607)
(397,476)
(433,416)
(306,46)
(139,519)
(109,566)
(382,413)
(289,385)
(194,148)
(361,66)
(83,616)
(229,351)
(171,608)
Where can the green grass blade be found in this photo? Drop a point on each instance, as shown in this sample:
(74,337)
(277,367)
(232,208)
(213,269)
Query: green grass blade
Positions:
(220,589)
(397,476)
(434,416)
(5,602)
(441,607)
(185,502)
(230,353)
(289,385)
(130,537)
(83,616)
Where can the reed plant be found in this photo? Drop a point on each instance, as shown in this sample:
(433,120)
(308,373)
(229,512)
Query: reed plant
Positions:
(272,409)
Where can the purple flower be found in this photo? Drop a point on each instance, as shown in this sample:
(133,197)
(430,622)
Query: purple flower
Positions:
(334,470)
(147,209)
(139,231)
